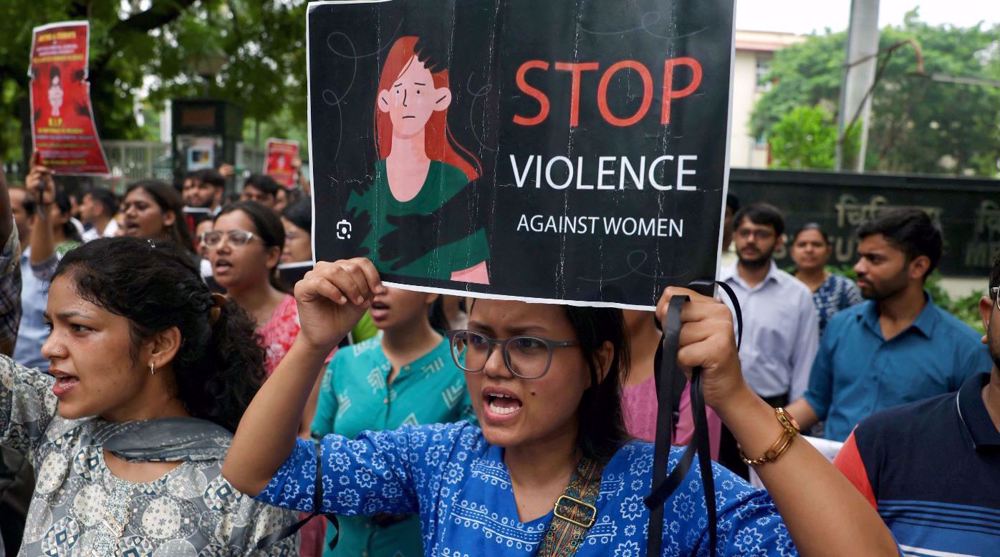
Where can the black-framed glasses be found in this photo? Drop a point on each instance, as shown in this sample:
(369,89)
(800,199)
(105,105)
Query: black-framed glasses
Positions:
(213,238)
(527,357)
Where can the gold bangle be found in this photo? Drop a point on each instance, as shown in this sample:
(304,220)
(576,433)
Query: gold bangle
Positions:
(791,430)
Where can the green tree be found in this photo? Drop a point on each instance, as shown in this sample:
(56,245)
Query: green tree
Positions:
(144,53)
(805,138)
(920,124)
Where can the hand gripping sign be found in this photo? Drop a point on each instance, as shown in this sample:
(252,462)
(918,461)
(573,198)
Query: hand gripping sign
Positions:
(62,118)
(562,151)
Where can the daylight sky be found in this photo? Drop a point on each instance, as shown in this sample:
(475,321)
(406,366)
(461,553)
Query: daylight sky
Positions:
(807,16)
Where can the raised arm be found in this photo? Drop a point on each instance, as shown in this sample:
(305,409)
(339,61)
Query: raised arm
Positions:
(41,186)
(331,299)
(824,514)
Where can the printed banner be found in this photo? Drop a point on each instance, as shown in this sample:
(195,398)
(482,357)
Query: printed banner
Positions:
(62,122)
(563,151)
(281,154)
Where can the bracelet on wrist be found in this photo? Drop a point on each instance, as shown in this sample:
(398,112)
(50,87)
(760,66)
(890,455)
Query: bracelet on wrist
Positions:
(791,431)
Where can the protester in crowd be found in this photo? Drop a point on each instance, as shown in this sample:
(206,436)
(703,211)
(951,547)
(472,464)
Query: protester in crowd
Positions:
(896,347)
(404,376)
(260,188)
(781,322)
(297,222)
(932,468)
(639,403)
(244,248)
(280,199)
(296,219)
(52,236)
(154,211)
(11,519)
(811,250)
(97,211)
(544,381)
(204,189)
(149,375)
(10,272)
(728,257)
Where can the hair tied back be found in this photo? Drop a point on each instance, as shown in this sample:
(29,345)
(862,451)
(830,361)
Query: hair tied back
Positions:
(218,301)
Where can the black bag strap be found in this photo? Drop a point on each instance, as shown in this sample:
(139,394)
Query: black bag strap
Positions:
(668,377)
(293,529)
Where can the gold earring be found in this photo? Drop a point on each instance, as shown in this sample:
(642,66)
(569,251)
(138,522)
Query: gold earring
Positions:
(152,368)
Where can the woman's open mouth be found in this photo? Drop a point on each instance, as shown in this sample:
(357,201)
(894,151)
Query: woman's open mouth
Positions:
(500,404)
(64,382)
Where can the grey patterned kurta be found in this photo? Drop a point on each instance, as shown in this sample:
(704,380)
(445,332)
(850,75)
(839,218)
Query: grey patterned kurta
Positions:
(81,509)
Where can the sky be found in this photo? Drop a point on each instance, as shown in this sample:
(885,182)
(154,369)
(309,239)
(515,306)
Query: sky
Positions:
(807,16)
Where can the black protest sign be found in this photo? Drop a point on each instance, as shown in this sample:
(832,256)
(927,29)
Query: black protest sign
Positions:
(565,151)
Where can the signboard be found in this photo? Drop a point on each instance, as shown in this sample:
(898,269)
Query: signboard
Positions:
(62,118)
(553,151)
(279,158)
(966,210)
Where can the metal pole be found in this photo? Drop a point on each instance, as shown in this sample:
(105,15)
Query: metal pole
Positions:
(862,42)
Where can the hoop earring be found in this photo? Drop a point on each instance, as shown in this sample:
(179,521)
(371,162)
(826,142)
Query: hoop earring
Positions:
(152,368)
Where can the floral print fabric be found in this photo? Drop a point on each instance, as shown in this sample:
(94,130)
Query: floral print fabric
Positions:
(460,487)
(80,508)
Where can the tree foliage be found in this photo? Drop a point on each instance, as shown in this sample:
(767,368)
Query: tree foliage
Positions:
(145,52)
(919,123)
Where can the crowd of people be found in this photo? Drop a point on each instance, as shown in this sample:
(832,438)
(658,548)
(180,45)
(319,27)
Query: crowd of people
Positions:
(164,389)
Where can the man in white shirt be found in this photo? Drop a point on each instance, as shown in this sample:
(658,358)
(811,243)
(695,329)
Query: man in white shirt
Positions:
(781,333)
(98,210)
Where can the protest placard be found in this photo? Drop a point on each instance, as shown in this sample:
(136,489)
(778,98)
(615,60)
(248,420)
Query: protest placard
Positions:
(280,155)
(62,118)
(561,151)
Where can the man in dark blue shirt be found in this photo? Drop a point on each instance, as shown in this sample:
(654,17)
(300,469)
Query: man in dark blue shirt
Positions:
(932,468)
(897,347)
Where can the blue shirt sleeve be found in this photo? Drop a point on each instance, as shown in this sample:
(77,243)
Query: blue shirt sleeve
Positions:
(393,472)
(820,392)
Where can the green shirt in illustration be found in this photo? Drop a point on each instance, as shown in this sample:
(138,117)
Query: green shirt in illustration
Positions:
(442,183)
(355,396)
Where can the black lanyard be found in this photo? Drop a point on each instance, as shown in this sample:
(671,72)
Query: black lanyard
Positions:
(669,378)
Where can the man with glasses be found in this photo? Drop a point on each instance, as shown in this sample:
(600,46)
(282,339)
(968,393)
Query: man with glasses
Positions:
(780,320)
(898,346)
(932,468)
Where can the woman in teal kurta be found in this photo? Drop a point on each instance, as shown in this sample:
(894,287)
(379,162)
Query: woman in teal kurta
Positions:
(375,386)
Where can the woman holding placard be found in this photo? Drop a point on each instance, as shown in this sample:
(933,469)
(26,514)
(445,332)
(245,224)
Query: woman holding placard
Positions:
(551,453)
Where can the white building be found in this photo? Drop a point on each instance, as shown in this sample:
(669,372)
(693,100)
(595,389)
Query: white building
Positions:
(754,51)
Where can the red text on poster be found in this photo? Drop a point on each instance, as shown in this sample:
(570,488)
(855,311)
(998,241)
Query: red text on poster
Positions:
(62,118)
(280,161)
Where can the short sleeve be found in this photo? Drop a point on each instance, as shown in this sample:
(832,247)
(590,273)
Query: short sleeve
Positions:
(851,465)
(819,394)
(27,406)
(326,402)
(10,292)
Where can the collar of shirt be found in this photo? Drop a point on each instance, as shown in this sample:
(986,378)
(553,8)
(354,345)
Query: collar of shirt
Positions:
(972,411)
(925,322)
(732,274)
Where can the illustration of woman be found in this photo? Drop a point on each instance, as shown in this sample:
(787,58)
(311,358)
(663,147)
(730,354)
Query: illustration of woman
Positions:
(55,91)
(420,168)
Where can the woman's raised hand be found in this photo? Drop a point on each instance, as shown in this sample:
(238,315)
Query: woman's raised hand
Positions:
(332,298)
(707,341)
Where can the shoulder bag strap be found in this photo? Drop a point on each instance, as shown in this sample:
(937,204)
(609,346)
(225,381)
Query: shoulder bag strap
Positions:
(293,529)
(574,513)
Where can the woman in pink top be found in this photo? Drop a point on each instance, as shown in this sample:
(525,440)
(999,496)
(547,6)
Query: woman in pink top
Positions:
(639,391)
(244,247)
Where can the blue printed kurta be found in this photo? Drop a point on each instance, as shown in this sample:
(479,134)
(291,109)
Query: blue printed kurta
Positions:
(355,397)
(460,486)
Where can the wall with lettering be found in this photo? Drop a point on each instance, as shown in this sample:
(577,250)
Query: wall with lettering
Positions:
(966,209)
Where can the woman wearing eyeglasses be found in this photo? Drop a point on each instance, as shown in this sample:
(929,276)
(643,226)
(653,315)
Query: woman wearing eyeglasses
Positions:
(405,375)
(550,451)
(244,247)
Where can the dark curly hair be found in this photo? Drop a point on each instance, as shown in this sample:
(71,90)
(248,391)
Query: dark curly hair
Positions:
(219,366)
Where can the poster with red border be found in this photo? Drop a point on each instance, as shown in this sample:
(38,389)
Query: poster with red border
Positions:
(280,154)
(62,117)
